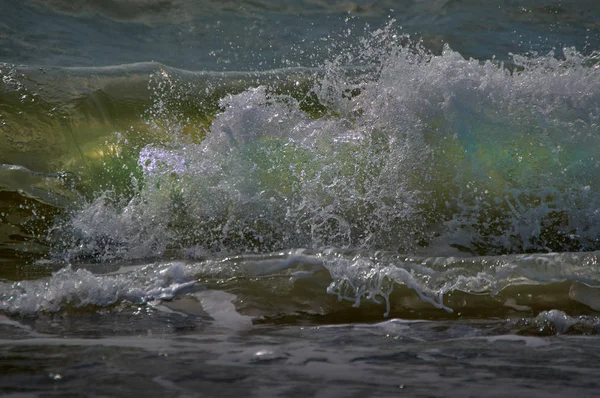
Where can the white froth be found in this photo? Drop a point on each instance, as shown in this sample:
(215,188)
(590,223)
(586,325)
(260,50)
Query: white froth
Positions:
(420,153)
(81,287)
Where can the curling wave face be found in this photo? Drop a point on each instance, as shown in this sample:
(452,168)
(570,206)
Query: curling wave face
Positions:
(394,167)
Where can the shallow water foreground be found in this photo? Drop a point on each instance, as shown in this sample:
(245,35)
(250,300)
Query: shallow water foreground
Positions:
(385,359)
(265,326)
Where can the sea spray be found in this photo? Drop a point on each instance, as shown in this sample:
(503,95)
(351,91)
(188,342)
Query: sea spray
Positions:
(418,153)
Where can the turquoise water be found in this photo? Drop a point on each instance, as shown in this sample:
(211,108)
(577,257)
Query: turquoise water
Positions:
(299,198)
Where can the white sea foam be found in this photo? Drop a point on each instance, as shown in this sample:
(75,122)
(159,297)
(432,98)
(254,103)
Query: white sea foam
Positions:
(81,287)
(416,153)
(355,277)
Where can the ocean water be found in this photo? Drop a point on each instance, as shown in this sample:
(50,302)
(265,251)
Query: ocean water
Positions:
(299,198)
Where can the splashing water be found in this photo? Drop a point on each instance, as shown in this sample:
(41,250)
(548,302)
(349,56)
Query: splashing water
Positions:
(414,153)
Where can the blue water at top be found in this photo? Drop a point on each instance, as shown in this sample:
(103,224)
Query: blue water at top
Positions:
(259,35)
